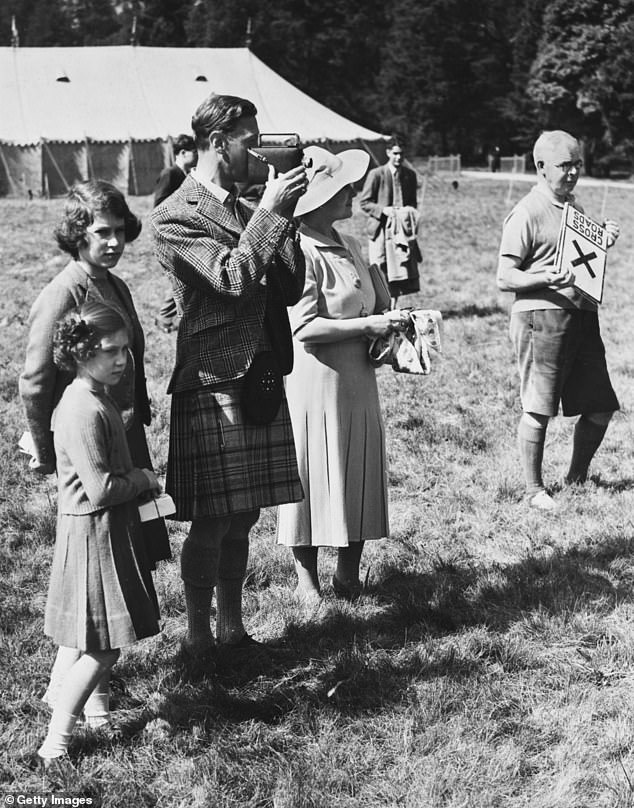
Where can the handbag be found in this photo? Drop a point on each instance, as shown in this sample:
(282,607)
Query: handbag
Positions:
(409,350)
(262,389)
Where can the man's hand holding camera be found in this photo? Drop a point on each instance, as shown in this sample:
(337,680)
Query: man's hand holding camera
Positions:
(282,192)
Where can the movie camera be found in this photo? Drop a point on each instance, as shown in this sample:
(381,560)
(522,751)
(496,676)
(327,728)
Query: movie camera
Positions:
(283,152)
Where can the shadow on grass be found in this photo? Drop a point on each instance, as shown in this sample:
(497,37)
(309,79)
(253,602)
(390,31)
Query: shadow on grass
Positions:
(449,622)
(473,310)
(614,486)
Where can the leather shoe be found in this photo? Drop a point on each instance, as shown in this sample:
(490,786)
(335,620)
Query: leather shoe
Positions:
(58,770)
(346,591)
(199,656)
(245,650)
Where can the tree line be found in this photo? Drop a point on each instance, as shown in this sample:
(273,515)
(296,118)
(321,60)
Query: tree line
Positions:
(445,75)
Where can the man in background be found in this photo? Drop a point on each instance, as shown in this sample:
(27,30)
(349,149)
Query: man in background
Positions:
(389,198)
(169,180)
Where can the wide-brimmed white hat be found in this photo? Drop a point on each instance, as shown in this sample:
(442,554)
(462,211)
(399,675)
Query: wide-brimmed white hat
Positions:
(328,174)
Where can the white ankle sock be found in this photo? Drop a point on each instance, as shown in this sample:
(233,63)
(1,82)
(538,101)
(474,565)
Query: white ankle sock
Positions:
(58,737)
(97,707)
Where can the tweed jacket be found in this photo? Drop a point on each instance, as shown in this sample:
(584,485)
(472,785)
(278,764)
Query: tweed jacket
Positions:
(42,382)
(220,272)
(378,193)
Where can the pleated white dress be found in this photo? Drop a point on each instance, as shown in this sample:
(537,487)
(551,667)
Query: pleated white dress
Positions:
(334,405)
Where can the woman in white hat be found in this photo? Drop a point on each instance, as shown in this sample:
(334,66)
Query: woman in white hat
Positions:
(332,392)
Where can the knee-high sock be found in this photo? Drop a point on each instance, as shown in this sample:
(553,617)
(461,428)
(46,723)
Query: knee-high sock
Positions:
(587,439)
(59,733)
(199,570)
(531,441)
(77,686)
(97,707)
(198,603)
(234,555)
(229,625)
(64,661)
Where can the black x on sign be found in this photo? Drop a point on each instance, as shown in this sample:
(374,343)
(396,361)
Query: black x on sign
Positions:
(584,258)
(582,246)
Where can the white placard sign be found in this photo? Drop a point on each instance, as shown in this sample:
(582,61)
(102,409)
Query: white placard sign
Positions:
(583,247)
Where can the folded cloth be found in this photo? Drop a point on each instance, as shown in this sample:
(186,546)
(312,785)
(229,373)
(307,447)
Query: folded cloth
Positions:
(402,253)
(409,350)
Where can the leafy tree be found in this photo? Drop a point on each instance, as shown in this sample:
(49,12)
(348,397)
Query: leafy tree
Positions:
(330,50)
(217,23)
(445,66)
(162,22)
(21,11)
(47,25)
(583,76)
(519,111)
(449,75)
(92,22)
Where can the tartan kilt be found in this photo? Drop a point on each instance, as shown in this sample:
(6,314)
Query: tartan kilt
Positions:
(218,464)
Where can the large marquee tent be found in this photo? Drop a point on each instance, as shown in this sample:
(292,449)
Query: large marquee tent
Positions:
(72,113)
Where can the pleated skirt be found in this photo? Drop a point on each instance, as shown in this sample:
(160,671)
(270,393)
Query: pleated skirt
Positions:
(339,435)
(101,594)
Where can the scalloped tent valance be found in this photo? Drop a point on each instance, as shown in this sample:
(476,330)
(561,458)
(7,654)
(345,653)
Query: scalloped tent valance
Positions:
(59,106)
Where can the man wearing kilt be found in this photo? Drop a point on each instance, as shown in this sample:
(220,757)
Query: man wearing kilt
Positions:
(233,270)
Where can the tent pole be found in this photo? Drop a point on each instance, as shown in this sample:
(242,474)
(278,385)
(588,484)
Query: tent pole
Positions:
(12,182)
(55,165)
(43,175)
(369,151)
(90,169)
(135,184)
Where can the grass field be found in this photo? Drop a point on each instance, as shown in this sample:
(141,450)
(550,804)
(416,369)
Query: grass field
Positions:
(491,661)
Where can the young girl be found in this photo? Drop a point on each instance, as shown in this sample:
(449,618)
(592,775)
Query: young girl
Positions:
(101,595)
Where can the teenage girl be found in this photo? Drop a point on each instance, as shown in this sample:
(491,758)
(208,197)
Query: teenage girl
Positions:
(101,595)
